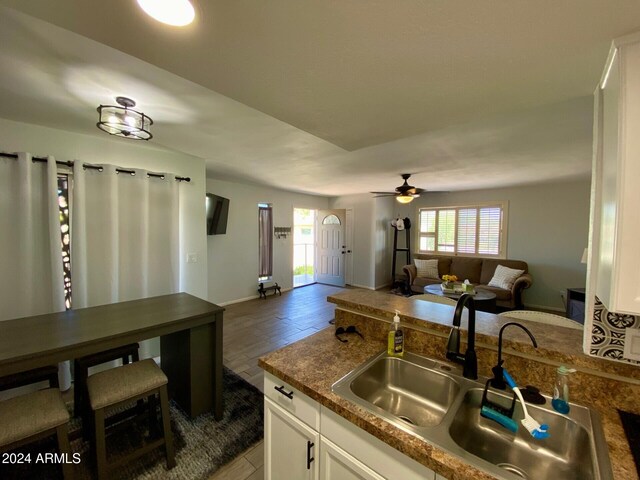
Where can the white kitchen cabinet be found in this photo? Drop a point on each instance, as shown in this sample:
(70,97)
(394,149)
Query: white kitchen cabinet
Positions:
(290,446)
(616,170)
(336,464)
(383,459)
(305,441)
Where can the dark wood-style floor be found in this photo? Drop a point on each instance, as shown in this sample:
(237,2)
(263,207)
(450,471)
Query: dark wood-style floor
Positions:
(256,327)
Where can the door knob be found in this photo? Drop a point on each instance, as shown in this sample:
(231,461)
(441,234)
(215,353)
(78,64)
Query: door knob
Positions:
(343,252)
(348,251)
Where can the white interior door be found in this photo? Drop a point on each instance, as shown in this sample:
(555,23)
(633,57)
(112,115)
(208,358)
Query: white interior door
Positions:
(330,247)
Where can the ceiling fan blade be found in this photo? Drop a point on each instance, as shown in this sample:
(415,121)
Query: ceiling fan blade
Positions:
(383,193)
(418,191)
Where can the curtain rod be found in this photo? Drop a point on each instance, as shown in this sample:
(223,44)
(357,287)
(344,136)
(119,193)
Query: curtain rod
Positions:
(69,163)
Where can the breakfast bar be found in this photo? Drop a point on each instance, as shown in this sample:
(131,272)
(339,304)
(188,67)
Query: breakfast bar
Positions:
(190,331)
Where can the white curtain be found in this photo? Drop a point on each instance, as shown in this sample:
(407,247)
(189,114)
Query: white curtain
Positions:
(124,238)
(31,276)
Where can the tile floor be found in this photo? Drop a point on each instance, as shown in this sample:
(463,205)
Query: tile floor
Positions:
(256,327)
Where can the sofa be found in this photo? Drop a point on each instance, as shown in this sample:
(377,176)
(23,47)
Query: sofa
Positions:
(479,271)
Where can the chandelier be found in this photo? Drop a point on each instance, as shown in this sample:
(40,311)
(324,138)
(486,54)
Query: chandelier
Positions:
(120,120)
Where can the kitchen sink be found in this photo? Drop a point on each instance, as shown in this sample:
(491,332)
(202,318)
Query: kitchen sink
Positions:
(565,454)
(432,400)
(413,393)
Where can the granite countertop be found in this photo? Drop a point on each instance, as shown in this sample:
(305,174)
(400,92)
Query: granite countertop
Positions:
(313,364)
(555,343)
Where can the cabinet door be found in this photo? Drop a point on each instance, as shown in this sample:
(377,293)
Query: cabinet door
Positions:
(336,464)
(290,446)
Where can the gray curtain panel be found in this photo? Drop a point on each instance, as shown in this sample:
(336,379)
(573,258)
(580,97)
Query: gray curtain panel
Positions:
(265,241)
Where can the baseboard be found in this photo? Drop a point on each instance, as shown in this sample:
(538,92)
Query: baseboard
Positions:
(366,287)
(238,300)
(380,287)
(544,307)
(246,299)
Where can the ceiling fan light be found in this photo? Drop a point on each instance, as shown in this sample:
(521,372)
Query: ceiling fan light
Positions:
(177,13)
(404,198)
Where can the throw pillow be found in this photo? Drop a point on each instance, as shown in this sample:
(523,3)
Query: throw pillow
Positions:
(427,268)
(504,277)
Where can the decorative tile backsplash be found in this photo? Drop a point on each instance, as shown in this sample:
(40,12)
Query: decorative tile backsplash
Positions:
(608,332)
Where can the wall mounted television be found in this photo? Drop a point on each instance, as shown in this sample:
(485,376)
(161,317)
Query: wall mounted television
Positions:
(217,214)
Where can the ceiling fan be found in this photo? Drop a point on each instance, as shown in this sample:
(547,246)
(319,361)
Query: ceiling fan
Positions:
(405,193)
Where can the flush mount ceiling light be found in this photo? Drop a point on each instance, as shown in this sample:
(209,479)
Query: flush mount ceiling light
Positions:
(122,121)
(172,12)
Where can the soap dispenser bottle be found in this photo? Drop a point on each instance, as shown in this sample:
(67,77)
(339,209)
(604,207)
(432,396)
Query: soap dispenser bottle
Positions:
(395,341)
(560,400)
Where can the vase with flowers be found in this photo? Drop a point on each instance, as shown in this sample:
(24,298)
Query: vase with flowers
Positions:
(447,281)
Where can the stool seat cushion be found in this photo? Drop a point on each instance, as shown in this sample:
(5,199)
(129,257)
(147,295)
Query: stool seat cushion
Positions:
(121,383)
(28,415)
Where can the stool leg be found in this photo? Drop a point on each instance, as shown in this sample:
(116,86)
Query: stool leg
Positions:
(78,381)
(53,381)
(100,443)
(166,426)
(153,416)
(62,434)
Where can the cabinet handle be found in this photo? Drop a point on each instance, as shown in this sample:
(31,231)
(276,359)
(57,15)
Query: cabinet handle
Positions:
(309,457)
(284,392)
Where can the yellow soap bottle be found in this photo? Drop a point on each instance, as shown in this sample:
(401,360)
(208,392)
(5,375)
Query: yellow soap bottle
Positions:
(395,339)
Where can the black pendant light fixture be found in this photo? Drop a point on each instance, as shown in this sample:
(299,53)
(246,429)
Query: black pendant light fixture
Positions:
(122,121)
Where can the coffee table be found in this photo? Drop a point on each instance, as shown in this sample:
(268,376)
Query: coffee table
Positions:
(484,300)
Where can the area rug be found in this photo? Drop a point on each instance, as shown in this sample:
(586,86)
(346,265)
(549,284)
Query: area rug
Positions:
(202,445)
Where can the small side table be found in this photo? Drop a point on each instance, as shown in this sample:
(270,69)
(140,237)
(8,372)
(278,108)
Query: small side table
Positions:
(576,304)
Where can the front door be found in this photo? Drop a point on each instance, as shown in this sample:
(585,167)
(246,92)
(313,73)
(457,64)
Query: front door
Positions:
(331,249)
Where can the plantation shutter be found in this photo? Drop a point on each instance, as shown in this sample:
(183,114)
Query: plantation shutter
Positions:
(471,230)
(467,230)
(427,230)
(446,230)
(489,231)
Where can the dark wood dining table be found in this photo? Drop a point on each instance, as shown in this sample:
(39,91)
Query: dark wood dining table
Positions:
(190,331)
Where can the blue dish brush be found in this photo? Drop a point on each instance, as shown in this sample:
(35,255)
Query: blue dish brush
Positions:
(536,430)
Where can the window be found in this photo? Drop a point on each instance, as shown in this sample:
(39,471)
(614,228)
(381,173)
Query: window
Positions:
(471,230)
(331,220)
(265,242)
(65,238)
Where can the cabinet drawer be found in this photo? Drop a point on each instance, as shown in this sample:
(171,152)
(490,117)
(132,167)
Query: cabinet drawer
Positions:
(292,400)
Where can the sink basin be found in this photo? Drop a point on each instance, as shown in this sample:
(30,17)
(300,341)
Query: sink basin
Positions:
(433,401)
(414,394)
(565,454)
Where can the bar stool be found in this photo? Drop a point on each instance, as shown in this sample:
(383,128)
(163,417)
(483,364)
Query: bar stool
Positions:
(20,379)
(27,418)
(81,372)
(126,384)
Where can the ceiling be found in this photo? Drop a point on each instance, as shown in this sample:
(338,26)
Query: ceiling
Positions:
(329,97)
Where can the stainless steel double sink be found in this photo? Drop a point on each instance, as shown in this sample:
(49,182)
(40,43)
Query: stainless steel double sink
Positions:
(432,400)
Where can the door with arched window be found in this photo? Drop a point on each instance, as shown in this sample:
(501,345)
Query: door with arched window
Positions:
(331,249)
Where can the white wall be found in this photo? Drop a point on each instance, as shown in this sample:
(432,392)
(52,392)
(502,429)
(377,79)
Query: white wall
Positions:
(42,141)
(363,236)
(548,228)
(233,257)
